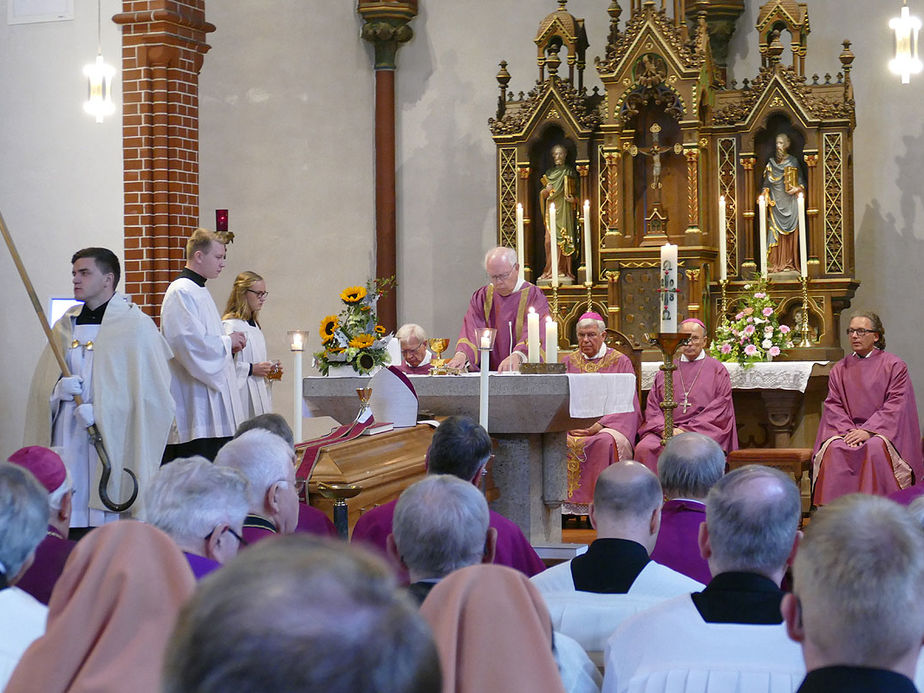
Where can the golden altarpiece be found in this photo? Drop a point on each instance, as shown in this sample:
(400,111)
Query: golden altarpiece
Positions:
(655,150)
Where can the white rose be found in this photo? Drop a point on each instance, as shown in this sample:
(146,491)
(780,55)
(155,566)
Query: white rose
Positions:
(767,343)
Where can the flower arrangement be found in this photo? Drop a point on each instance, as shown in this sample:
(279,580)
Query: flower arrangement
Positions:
(353,337)
(755,333)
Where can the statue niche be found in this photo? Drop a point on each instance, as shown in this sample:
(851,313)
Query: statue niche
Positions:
(555,180)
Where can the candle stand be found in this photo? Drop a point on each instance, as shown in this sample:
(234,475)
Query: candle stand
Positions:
(805,342)
(589,285)
(668,343)
(724,304)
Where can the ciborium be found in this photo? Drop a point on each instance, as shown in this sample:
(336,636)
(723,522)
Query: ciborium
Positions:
(439,345)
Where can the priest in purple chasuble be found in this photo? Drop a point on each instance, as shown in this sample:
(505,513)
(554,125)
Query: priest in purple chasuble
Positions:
(702,390)
(415,356)
(591,450)
(869,439)
(503,304)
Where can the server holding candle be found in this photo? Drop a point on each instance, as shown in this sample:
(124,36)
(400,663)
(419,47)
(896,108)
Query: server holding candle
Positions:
(783,182)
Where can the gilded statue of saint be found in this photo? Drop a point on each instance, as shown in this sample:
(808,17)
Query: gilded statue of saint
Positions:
(560,186)
(783,181)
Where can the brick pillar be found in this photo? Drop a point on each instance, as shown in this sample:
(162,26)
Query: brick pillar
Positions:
(163,45)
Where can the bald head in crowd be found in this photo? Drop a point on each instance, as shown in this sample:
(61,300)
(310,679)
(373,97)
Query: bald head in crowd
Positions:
(627,504)
(857,582)
(752,523)
(690,465)
(301,614)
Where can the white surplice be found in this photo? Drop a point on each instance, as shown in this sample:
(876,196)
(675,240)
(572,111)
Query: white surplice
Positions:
(254,391)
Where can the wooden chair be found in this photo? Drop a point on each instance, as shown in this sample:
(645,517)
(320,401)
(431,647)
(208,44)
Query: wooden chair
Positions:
(621,343)
(794,461)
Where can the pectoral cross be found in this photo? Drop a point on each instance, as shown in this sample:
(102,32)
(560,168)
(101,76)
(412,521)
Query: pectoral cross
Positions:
(655,151)
(686,401)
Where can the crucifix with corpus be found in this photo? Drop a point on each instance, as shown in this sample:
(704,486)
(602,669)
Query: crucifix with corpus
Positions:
(656,221)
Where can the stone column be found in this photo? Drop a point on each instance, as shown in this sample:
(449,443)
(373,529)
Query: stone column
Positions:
(386,28)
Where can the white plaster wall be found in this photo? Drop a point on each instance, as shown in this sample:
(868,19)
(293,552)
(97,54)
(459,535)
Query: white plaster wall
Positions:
(60,179)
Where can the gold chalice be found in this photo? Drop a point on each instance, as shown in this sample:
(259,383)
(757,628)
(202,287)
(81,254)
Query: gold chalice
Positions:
(439,345)
(364,394)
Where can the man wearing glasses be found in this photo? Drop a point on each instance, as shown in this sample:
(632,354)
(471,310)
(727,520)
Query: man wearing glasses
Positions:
(415,356)
(869,439)
(503,305)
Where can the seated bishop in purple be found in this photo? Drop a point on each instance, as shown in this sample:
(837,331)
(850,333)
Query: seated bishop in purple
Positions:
(869,439)
(503,305)
(462,448)
(46,465)
(201,506)
(689,466)
(415,356)
(702,390)
(612,438)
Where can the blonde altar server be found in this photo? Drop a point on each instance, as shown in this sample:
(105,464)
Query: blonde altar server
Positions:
(208,408)
(242,315)
(119,367)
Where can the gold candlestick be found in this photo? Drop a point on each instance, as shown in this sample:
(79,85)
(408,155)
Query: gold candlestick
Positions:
(590,299)
(668,343)
(555,302)
(805,342)
(724,285)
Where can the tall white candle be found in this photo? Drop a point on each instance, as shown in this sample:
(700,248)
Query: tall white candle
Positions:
(803,247)
(588,269)
(532,336)
(521,259)
(297,403)
(485,361)
(551,340)
(762,213)
(723,241)
(553,244)
(668,286)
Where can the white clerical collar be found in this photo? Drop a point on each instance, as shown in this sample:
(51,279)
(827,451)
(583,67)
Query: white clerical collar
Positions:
(426,359)
(599,355)
(871,351)
(702,355)
(520,283)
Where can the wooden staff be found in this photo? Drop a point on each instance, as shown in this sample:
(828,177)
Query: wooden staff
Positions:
(92,430)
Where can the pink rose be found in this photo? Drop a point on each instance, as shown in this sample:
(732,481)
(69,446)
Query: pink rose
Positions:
(749,330)
(784,329)
(739,316)
(750,350)
(768,311)
(760,294)
(726,349)
(774,351)
(768,329)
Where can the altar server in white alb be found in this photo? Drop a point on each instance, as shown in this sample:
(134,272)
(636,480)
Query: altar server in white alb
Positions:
(208,408)
(119,367)
(242,314)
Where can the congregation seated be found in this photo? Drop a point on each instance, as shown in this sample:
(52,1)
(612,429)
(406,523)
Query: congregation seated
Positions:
(689,466)
(702,390)
(110,615)
(415,356)
(266,461)
(48,467)
(593,593)
(300,613)
(493,633)
(440,525)
(731,634)
(23,519)
(462,448)
(311,520)
(869,438)
(591,450)
(202,507)
(856,602)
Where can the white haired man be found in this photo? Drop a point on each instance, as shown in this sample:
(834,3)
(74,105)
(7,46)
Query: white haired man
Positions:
(415,356)
(612,438)
(856,601)
(733,629)
(503,305)
(267,462)
(202,507)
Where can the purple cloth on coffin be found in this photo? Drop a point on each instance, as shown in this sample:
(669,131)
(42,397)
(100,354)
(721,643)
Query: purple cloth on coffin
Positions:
(513,549)
(710,410)
(678,541)
(507,314)
(590,455)
(874,394)
(50,557)
(201,566)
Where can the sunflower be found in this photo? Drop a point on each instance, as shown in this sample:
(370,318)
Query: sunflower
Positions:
(380,330)
(361,341)
(329,325)
(353,294)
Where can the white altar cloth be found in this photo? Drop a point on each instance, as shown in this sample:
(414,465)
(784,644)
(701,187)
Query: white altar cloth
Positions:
(776,375)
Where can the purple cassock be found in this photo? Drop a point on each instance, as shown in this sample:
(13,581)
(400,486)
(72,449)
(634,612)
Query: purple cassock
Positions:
(422,369)
(678,540)
(590,455)
(506,314)
(50,557)
(513,550)
(702,390)
(874,394)
(201,566)
(314,521)
(907,495)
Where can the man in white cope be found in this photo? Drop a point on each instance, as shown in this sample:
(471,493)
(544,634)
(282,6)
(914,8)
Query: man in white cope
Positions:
(729,638)
(856,603)
(593,593)
(23,518)
(208,406)
(119,367)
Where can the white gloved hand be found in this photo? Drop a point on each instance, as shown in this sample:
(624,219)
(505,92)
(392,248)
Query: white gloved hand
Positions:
(68,387)
(84,415)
